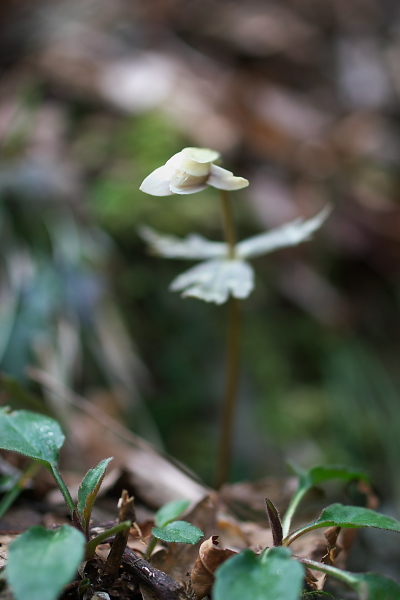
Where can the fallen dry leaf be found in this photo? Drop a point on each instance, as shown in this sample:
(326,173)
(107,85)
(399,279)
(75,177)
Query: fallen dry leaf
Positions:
(210,557)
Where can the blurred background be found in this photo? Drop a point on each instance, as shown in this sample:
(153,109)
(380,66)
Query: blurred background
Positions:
(302,98)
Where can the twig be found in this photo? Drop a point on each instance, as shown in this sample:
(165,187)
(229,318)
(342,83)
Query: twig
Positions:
(126,513)
(164,586)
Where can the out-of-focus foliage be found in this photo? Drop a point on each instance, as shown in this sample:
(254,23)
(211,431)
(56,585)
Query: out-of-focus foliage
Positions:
(302,99)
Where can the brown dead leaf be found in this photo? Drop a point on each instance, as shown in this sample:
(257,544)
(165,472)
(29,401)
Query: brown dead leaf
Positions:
(210,557)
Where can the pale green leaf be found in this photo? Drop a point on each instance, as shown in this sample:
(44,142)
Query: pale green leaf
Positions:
(178,531)
(41,562)
(170,512)
(274,575)
(31,434)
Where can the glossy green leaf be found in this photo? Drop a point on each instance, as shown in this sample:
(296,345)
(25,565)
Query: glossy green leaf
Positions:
(347,516)
(170,512)
(31,434)
(41,562)
(371,586)
(89,489)
(274,575)
(179,531)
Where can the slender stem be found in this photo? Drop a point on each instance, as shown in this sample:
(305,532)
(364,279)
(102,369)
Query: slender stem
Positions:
(287,519)
(151,546)
(227,222)
(344,576)
(19,486)
(92,545)
(233,356)
(63,487)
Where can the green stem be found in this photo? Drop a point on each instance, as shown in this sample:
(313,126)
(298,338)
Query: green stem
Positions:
(227,222)
(64,489)
(289,539)
(151,546)
(233,358)
(19,486)
(344,576)
(92,545)
(287,519)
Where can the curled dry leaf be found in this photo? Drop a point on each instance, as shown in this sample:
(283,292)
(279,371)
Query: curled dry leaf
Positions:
(211,556)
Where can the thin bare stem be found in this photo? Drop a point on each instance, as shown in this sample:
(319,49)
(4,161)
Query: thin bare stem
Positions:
(233,357)
(227,222)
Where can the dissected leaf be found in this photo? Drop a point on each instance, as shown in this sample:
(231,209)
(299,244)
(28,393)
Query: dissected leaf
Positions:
(31,434)
(170,512)
(347,516)
(178,531)
(194,246)
(88,491)
(290,234)
(215,280)
(274,575)
(41,562)
(210,557)
(371,586)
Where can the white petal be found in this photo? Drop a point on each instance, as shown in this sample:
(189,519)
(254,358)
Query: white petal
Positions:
(157,183)
(216,280)
(193,247)
(175,160)
(225,180)
(188,189)
(201,155)
(290,234)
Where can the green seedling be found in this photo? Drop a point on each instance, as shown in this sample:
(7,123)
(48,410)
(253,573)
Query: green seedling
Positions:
(169,529)
(40,438)
(276,574)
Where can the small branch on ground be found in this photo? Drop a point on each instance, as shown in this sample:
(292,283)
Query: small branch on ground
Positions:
(126,513)
(164,586)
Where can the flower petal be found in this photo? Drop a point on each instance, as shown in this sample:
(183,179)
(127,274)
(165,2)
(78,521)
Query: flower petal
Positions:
(216,280)
(157,183)
(201,155)
(225,180)
(290,234)
(192,188)
(193,247)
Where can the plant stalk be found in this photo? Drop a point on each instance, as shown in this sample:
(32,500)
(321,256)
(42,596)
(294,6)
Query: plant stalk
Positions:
(102,537)
(65,491)
(233,356)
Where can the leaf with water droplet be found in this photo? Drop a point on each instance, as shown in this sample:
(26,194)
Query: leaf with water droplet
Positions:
(31,434)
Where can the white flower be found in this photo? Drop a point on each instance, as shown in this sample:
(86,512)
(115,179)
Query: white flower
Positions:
(215,279)
(190,171)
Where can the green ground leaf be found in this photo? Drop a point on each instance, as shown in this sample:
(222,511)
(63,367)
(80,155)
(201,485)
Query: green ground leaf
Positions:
(41,562)
(322,473)
(170,512)
(356,516)
(179,531)
(346,516)
(371,586)
(89,489)
(274,575)
(31,434)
